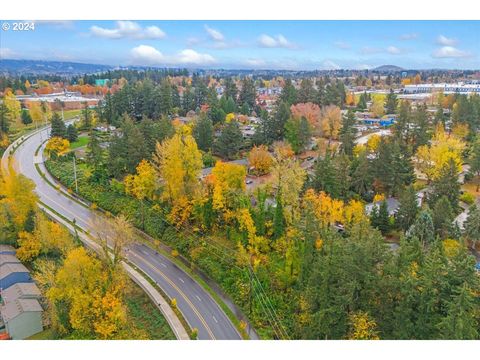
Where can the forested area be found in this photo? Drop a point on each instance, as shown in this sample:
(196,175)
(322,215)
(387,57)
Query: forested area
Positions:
(299,254)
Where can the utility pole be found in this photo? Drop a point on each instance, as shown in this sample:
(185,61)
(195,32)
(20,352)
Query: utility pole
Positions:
(75,173)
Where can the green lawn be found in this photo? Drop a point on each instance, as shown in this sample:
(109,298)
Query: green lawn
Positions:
(81,141)
(46,334)
(70,114)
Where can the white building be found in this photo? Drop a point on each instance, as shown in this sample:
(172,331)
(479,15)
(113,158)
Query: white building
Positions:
(460,88)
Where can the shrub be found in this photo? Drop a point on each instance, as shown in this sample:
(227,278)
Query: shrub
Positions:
(467,198)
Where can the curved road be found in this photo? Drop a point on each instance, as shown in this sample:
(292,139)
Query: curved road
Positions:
(197,306)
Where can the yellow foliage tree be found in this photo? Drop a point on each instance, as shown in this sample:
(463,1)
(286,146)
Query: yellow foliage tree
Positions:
(13,106)
(260,159)
(228,180)
(229,117)
(57,146)
(326,210)
(362,327)
(29,246)
(430,160)
(377,107)
(331,121)
(288,178)
(17,193)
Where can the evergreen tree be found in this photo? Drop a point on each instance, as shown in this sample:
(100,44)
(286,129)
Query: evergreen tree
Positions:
(4,119)
(247,94)
(379,218)
(474,161)
(461,321)
(347,134)
(188,100)
(72,134)
(231,90)
(362,174)
(408,209)
(443,218)
(391,103)
(306,93)
(422,229)
(26,118)
(447,185)
(58,127)
(325,176)
(362,102)
(420,133)
(94,154)
(289,93)
(472,226)
(297,133)
(166,102)
(203,133)
(228,144)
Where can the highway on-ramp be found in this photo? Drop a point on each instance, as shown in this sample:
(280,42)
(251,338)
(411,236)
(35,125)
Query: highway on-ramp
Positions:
(196,305)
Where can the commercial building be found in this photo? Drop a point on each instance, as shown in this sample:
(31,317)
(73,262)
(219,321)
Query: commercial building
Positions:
(455,88)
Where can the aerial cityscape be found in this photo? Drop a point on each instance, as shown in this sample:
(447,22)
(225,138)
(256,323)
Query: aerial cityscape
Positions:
(239,180)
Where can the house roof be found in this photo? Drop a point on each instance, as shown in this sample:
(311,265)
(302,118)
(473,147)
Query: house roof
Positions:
(7,269)
(20,291)
(12,309)
(8,259)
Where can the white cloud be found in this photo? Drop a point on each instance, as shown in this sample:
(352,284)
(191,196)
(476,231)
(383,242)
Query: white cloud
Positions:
(342,45)
(393,50)
(148,55)
(330,65)
(6,53)
(214,34)
(368,50)
(450,52)
(443,40)
(256,63)
(189,56)
(128,30)
(410,36)
(278,41)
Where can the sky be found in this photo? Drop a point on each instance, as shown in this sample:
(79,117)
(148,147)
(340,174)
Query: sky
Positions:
(290,45)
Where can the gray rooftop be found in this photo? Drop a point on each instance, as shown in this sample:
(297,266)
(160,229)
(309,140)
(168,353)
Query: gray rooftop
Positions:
(8,259)
(20,291)
(12,309)
(7,269)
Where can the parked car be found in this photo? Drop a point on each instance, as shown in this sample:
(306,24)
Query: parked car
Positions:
(248,181)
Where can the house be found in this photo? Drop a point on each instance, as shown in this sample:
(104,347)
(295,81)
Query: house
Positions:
(22,318)
(20,291)
(12,274)
(392,206)
(7,250)
(8,259)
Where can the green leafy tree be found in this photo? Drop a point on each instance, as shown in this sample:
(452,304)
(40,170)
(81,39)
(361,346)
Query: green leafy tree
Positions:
(472,226)
(443,217)
(203,133)
(72,133)
(58,127)
(229,142)
(380,218)
(447,185)
(347,134)
(391,103)
(423,229)
(26,118)
(408,209)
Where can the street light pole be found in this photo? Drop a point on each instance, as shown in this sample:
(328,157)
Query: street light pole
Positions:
(75,173)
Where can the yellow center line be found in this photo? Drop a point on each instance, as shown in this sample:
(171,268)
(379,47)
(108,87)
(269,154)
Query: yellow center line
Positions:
(154,268)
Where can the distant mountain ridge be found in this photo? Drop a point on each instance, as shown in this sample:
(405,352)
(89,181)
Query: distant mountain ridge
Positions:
(388,68)
(42,67)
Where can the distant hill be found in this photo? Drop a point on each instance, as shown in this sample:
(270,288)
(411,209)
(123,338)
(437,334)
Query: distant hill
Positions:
(388,68)
(40,67)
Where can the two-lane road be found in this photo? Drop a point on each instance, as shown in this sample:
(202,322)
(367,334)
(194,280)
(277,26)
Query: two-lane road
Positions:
(197,306)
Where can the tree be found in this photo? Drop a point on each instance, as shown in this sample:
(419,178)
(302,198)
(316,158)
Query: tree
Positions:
(86,116)
(377,107)
(4,120)
(247,93)
(474,161)
(114,236)
(278,218)
(408,210)
(391,103)
(58,127)
(472,226)
(447,185)
(331,122)
(178,163)
(260,160)
(228,182)
(203,133)
(13,106)
(72,133)
(288,178)
(26,118)
(347,134)
(57,146)
(460,322)
(362,327)
(94,151)
(142,185)
(443,217)
(289,93)
(229,142)
(29,247)
(380,218)
(311,112)
(297,133)
(423,229)
(362,102)
(325,176)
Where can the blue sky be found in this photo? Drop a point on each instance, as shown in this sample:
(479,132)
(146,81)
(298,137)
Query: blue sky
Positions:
(252,44)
